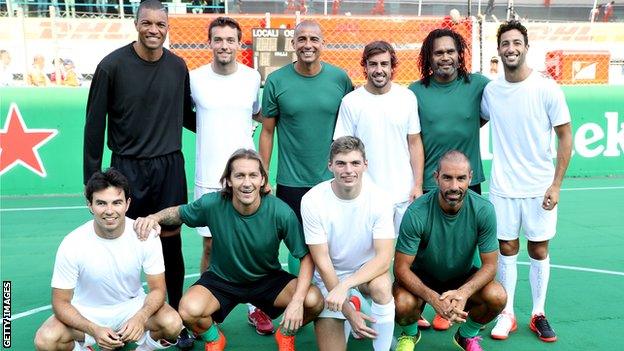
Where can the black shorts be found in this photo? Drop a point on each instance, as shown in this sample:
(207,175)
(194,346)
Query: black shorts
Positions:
(155,183)
(292,196)
(440,286)
(261,293)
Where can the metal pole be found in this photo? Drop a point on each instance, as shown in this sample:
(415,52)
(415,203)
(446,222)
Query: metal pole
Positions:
(469,8)
(121,9)
(226,10)
(9,5)
(325,7)
(419,7)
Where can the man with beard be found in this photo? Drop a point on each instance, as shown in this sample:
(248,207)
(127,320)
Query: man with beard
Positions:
(384,115)
(141,93)
(433,263)
(226,97)
(524,108)
(449,99)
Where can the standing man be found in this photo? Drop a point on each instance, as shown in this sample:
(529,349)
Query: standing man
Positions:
(225,94)
(524,108)
(440,234)
(384,116)
(97,295)
(449,99)
(142,92)
(302,100)
(248,225)
(347,222)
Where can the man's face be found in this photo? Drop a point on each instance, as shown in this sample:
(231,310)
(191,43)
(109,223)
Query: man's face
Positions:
(512,49)
(224,44)
(246,181)
(308,44)
(109,207)
(444,59)
(348,169)
(379,70)
(453,180)
(152,26)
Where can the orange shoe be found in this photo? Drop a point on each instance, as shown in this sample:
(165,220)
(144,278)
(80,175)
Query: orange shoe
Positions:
(540,326)
(216,345)
(284,343)
(439,323)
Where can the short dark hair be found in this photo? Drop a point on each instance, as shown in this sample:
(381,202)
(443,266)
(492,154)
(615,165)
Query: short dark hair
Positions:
(378,47)
(426,52)
(102,180)
(511,25)
(150,5)
(247,154)
(223,21)
(346,144)
(453,156)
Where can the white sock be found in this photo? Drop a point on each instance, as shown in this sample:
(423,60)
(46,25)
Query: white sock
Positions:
(508,275)
(146,343)
(384,325)
(77,347)
(539,273)
(251,308)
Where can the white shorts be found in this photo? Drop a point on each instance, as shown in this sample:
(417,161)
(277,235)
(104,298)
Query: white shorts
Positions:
(399,211)
(326,313)
(112,317)
(513,214)
(199,191)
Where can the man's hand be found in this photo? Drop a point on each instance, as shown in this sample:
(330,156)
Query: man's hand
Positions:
(415,193)
(143,226)
(358,323)
(551,198)
(336,298)
(293,317)
(107,338)
(457,300)
(133,329)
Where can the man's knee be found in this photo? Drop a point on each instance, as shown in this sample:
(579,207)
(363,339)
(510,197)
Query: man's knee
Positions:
(170,322)
(494,296)
(381,289)
(406,306)
(314,299)
(49,336)
(538,250)
(190,310)
(509,247)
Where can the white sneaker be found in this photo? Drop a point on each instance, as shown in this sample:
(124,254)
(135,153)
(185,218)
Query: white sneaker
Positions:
(505,324)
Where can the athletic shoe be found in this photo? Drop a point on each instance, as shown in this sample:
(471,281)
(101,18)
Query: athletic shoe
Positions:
(284,343)
(540,326)
(407,342)
(505,324)
(216,345)
(185,340)
(423,323)
(440,323)
(357,305)
(467,344)
(261,321)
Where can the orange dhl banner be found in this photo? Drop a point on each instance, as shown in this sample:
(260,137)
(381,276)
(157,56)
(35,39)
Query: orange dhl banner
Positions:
(345,38)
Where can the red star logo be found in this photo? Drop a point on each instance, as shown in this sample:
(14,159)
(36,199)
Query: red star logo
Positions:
(19,145)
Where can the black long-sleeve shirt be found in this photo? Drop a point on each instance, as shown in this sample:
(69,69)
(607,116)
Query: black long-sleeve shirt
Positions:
(147,104)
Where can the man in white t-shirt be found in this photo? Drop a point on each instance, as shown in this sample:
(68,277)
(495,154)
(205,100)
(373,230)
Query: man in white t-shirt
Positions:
(523,109)
(384,115)
(348,226)
(97,294)
(226,97)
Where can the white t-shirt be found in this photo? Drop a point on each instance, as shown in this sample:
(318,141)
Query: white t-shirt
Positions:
(105,271)
(224,105)
(347,226)
(383,123)
(522,116)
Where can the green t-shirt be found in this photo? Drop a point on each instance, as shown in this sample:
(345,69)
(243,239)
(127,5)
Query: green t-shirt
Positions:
(444,245)
(450,116)
(306,109)
(245,248)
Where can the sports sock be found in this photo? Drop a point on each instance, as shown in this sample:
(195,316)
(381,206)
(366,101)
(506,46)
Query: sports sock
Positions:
(77,347)
(146,343)
(384,324)
(251,308)
(285,333)
(174,268)
(539,273)
(507,276)
(410,329)
(211,334)
(470,329)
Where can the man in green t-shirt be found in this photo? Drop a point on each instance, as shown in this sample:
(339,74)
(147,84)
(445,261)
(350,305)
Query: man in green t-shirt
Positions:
(247,225)
(433,263)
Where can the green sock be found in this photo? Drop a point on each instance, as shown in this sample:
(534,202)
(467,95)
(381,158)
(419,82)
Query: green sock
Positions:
(211,334)
(470,329)
(285,332)
(410,329)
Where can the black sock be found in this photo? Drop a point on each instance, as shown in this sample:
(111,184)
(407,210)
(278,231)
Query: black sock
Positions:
(174,268)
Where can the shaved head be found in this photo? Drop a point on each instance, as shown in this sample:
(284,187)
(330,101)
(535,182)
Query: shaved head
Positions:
(308,24)
(453,156)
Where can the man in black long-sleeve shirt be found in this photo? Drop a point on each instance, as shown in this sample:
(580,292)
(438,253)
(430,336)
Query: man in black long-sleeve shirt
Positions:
(142,92)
